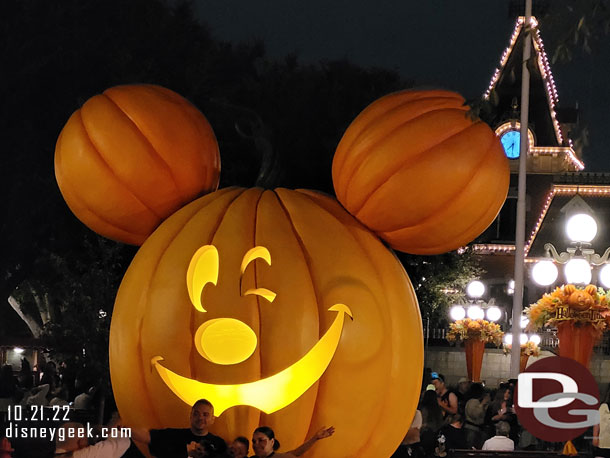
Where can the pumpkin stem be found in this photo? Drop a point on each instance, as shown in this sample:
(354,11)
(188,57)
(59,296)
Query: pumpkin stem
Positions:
(482,109)
(260,135)
(249,125)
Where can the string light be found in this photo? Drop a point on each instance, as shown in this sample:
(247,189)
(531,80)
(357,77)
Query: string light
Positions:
(490,248)
(564,190)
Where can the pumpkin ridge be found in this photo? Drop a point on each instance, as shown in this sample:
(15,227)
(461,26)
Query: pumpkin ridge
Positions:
(428,250)
(163,163)
(85,208)
(486,157)
(483,217)
(258,298)
(370,125)
(463,186)
(193,352)
(353,231)
(116,177)
(307,263)
(401,106)
(303,250)
(385,310)
(161,254)
(81,203)
(414,158)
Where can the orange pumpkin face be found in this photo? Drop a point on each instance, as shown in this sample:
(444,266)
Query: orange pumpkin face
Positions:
(285,269)
(132,156)
(580,300)
(415,169)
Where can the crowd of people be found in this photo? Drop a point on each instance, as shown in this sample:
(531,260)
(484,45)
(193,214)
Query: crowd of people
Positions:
(467,416)
(471,416)
(47,388)
(44,386)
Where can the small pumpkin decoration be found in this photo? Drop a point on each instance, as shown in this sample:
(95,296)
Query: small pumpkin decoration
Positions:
(132,156)
(582,299)
(419,172)
(312,255)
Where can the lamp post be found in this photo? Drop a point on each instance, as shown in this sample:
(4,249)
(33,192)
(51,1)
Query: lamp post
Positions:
(578,260)
(477,309)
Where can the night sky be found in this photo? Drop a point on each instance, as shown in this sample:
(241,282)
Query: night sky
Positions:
(444,43)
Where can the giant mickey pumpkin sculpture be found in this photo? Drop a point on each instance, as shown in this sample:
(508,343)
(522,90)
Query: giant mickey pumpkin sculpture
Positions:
(282,309)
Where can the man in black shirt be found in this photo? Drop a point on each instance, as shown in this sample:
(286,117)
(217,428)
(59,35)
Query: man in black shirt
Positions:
(195,441)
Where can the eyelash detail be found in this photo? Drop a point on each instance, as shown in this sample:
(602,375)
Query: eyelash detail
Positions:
(263,292)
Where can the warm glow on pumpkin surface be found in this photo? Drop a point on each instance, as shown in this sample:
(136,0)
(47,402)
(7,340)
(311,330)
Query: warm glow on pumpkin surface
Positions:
(270,394)
(321,256)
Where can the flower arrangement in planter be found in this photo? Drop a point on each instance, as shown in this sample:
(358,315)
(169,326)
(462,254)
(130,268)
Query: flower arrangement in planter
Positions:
(581,315)
(528,349)
(483,330)
(475,334)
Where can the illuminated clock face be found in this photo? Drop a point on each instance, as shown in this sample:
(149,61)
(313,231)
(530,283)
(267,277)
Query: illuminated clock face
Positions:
(511,141)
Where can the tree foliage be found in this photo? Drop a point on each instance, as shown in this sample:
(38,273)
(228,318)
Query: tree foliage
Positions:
(440,281)
(580,26)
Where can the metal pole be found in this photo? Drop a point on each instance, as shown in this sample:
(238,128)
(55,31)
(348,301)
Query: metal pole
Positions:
(520,228)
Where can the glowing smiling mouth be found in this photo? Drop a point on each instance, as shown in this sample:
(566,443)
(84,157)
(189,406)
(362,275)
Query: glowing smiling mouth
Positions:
(269,394)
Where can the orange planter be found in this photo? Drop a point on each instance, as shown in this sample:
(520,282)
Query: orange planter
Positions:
(577,342)
(475,349)
(523,362)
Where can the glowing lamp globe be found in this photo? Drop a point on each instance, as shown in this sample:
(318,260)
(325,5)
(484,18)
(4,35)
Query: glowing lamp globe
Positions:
(544,273)
(508,339)
(578,271)
(581,228)
(524,322)
(475,289)
(475,312)
(523,339)
(494,313)
(535,338)
(457,312)
(604,275)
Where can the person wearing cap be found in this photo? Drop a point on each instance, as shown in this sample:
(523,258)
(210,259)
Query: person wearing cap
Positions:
(446,399)
(463,386)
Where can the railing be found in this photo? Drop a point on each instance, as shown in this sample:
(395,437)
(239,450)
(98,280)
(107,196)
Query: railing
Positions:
(549,340)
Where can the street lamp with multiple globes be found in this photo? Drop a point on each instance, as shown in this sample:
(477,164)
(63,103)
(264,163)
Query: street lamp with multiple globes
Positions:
(523,337)
(578,259)
(478,309)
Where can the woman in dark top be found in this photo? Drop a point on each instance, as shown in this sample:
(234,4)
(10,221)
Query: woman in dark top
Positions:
(432,421)
(501,409)
(265,444)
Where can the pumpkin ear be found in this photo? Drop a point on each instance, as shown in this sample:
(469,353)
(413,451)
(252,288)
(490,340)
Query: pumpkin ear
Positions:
(418,171)
(131,157)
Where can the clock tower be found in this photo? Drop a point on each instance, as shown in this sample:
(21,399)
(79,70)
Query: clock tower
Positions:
(550,149)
